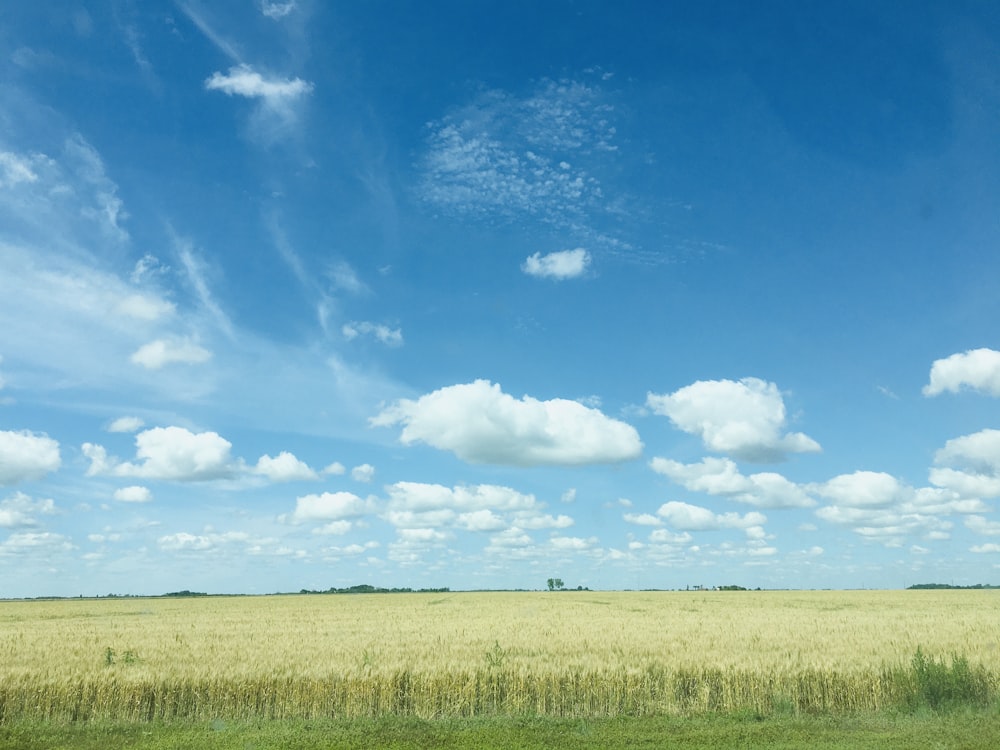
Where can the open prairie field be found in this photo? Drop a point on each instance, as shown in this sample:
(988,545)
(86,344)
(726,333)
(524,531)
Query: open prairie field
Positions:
(570,654)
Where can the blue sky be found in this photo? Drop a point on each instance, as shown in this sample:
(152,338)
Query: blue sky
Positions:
(304,294)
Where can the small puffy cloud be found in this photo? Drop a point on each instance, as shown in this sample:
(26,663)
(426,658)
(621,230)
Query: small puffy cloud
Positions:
(133,494)
(977,369)
(363,473)
(980,525)
(569,495)
(19,510)
(565,264)
(285,467)
(276,11)
(145,307)
(384,334)
(688,517)
(126,424)
(985,548)
(745,419)
(970,465)
(329,506)
(643,519)
(862,489)
(25,456)
(185,542)
(720,476)
(335,469)
(480,423)
(480,520)
(243,80)
(157,354)
(30,543)
(171,453)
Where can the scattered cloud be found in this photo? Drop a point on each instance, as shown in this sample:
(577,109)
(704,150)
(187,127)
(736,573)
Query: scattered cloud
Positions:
(363,473)
(285,467)
(278,99)
(276,11)
(334,469)
(25,456)
(169,453)
(565,264)
(976,369)
(133,494)
(970,465)
(686,517)
(162,352)
(126,424)
(721,476)
(509,157)
(745,419)
(480,423)
(328,506)
(388,336)
(20,510)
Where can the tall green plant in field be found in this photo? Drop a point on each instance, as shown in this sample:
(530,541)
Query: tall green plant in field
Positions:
(940,685)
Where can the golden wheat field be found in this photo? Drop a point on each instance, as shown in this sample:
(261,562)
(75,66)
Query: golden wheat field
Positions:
(461,654)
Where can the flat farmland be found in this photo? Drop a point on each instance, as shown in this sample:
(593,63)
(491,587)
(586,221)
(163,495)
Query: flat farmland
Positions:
(442,655)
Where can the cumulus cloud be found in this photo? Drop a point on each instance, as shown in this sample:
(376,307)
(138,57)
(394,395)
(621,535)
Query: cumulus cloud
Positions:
(565,264)
(643,519)
(157,354)
(19,510)
(145,307)
(382,333)
(171,453)
(285,467)
(970,465)
(185,542)
(720,476)
(745,419)
(328,506)
(26,455)
(126,424)
(686,517)
(133,494)
(243,80)
(44,544)
(363,473)
(977,369)
(480,423)
(334,469)
(862,489)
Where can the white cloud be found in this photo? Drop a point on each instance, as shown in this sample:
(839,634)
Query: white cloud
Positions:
(980,525)
(285,467)
(862,489)
(481,424)
(133,494)
(15,169)
(643,519)
(185,542)
(978,369)
(19,510)
(565,264)
(745,419)
(531,157)
(126,424)
(42,543)
(329,506)
(25,456)
(243,80)
(481,520)
(363,473)
(985,548)
(720,476)
(275,10)
(384,334)
(970,465)
(334,469)
(145,307)
(686,517)
(157,354)
(171,453)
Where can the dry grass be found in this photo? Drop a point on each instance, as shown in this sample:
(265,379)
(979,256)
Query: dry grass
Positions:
(562,654)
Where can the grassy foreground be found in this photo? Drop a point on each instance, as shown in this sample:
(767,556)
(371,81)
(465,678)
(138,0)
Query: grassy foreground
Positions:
(920,731)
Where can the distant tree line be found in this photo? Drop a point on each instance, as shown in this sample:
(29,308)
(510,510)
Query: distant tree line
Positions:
(950,586)
(365,588)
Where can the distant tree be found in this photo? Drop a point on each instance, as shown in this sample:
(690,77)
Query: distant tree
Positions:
(555,584)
